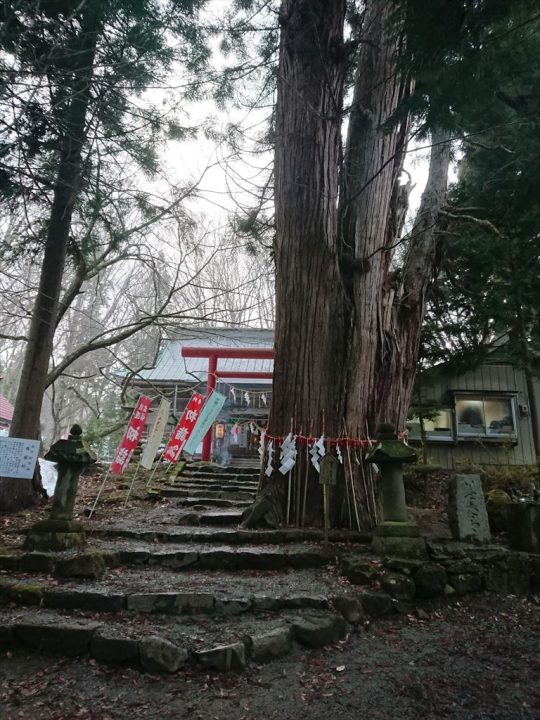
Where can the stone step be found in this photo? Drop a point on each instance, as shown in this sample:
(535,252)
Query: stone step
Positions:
(168,644)
(203,500)
(219,477)
(217,517)
(221,494)
(233,469)
(192,556)
(230,536)
(211,485)
(214,593)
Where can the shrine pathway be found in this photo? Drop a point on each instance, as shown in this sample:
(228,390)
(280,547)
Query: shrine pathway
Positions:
(471,661)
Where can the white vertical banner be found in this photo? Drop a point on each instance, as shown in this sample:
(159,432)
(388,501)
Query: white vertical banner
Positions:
(156,434)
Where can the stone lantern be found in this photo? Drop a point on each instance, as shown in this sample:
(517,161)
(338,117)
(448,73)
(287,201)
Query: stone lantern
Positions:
(396,535)
(60,531)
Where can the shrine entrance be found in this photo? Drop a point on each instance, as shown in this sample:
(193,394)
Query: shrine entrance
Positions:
(216,353)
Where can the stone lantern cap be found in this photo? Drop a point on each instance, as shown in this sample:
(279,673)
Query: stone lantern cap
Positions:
(389,449)
(72,451)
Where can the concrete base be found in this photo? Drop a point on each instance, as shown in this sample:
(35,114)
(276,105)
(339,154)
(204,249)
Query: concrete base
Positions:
(55,535)
(399,540)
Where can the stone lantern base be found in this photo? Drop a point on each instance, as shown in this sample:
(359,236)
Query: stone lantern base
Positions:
(55,535)
(399,540)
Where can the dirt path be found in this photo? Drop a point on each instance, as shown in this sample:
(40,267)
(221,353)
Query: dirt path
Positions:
(472,661)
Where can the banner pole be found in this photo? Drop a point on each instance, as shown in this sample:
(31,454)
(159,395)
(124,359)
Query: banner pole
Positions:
(99,493)
(155,468)
(132,482)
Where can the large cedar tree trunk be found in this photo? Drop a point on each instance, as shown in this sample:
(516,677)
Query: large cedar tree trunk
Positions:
(348,325)
(311,312)
(15,493)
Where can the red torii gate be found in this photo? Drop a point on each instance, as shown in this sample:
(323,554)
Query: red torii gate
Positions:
(214,354)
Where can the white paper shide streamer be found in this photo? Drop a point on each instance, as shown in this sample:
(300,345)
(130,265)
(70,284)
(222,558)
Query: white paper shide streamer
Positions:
(261,444)
(317,452)
(288,454)
(269,470)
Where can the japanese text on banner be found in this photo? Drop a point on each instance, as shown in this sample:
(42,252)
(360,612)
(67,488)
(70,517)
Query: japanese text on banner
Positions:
(184,429)
(131,436)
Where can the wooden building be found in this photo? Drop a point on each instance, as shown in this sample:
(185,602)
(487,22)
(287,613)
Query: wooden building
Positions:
(484,416)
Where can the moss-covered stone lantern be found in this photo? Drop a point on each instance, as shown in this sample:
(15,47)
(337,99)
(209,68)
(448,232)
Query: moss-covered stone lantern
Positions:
(60,531)
(396,535)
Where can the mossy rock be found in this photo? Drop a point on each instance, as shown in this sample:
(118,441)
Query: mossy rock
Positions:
(86,565)
(430,580)
(26,593)
(358,569)
(498,497)
(497,503)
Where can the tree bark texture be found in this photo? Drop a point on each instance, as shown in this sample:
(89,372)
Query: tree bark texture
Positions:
(347,329)
(373,159)
(311,316)
(26,416)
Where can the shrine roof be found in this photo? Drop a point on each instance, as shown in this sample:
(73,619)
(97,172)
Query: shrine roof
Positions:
(171,366)
(6,409)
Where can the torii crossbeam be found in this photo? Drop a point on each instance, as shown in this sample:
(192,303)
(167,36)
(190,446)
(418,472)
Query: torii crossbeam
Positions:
(214,354)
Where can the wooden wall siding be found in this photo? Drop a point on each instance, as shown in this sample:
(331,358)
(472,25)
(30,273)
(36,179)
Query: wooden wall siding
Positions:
(486,378)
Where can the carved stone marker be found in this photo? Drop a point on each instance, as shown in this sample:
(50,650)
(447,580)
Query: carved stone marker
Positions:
(467,514)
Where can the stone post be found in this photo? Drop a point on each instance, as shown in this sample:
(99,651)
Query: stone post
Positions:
(60,531)
(396,536)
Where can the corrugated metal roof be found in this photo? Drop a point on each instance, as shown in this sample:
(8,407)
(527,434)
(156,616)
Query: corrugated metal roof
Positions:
(6,409)
(171,366)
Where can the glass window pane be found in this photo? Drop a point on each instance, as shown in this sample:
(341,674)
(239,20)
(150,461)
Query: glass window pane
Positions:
(438,426)
(470,416)
(499,418)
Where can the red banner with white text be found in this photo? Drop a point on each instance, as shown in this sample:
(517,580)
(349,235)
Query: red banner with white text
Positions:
(184,429)
(132,436)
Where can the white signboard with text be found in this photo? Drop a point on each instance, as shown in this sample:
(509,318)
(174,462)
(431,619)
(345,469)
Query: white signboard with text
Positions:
(18,457)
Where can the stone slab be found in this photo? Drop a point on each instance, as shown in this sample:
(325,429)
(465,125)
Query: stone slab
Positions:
(317,630)
(223,657)
(467,514)
(70,638)
(160,655)
(270,645)
(108,648)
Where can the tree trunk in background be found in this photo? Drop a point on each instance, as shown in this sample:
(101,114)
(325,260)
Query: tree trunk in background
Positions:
(405,299)
(15,493)
(347,330)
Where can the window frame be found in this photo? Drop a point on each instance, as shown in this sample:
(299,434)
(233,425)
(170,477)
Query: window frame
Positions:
(482,396)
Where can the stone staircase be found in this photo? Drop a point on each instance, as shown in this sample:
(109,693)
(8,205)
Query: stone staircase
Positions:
(226,488)
(166,585)
(180,584)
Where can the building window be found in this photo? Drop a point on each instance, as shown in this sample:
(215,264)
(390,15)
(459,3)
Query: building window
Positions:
(438,426)
(485,416)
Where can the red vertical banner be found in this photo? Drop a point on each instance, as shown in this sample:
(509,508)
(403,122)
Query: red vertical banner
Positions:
(132,436)
(184,429)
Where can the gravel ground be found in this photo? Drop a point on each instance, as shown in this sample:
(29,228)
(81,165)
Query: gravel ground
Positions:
(475,660)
